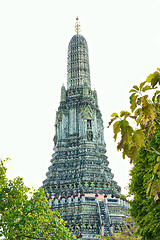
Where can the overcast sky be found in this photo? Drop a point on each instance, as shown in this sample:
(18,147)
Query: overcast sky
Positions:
(124,47)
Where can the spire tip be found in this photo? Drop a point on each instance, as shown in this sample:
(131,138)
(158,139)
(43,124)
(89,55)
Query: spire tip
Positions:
(77,26)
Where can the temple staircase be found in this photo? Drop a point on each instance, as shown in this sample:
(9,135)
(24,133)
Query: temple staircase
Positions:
(104,218)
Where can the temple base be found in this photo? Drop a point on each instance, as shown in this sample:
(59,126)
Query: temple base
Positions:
(88,215)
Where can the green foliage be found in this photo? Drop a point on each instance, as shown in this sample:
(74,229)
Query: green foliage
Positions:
(142,146)
(145,113)
(25,214)
(145,211)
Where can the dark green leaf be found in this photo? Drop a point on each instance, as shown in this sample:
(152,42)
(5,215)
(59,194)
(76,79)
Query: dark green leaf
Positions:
(150,77)
(156,167)
(124,113)
(133,90)
(154,81)
(146,88)
(158,159)
(116,129)
(136,87)
(114,115)
(139,138)
(142,84)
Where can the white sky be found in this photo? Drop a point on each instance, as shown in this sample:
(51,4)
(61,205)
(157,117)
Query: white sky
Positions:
(124,47)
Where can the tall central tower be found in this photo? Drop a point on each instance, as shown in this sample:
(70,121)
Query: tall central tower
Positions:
(79,180)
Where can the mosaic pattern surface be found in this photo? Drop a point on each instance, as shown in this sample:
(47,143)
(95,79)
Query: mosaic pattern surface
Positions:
(79,181)
(78,63)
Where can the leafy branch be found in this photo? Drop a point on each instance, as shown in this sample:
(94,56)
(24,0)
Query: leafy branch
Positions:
(145,113)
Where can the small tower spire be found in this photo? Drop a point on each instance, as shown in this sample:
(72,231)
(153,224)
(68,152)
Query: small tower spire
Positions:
(77,26)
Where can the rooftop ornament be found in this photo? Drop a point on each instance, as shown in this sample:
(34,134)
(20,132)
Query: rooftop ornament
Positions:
(77,26)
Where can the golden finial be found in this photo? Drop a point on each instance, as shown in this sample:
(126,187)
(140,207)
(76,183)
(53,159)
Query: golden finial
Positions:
(77,26)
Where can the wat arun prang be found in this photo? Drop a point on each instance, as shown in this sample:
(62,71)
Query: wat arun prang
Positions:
(79,181)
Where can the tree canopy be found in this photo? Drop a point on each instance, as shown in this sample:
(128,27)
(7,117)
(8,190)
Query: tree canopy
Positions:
(145,211)
(25,214)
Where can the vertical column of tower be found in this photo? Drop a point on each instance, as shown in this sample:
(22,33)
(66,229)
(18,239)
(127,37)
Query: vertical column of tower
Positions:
(72,121)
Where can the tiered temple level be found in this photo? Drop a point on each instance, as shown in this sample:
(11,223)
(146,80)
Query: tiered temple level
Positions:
(87,215)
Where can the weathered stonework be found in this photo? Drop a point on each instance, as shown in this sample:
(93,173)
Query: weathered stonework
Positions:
(79,181)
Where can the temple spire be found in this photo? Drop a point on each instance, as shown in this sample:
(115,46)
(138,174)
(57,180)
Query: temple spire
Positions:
(78,61)
(77,26)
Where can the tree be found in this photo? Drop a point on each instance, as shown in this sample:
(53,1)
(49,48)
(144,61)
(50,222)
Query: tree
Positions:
(145,211)
(145,113)
(25,214)
(141,144)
